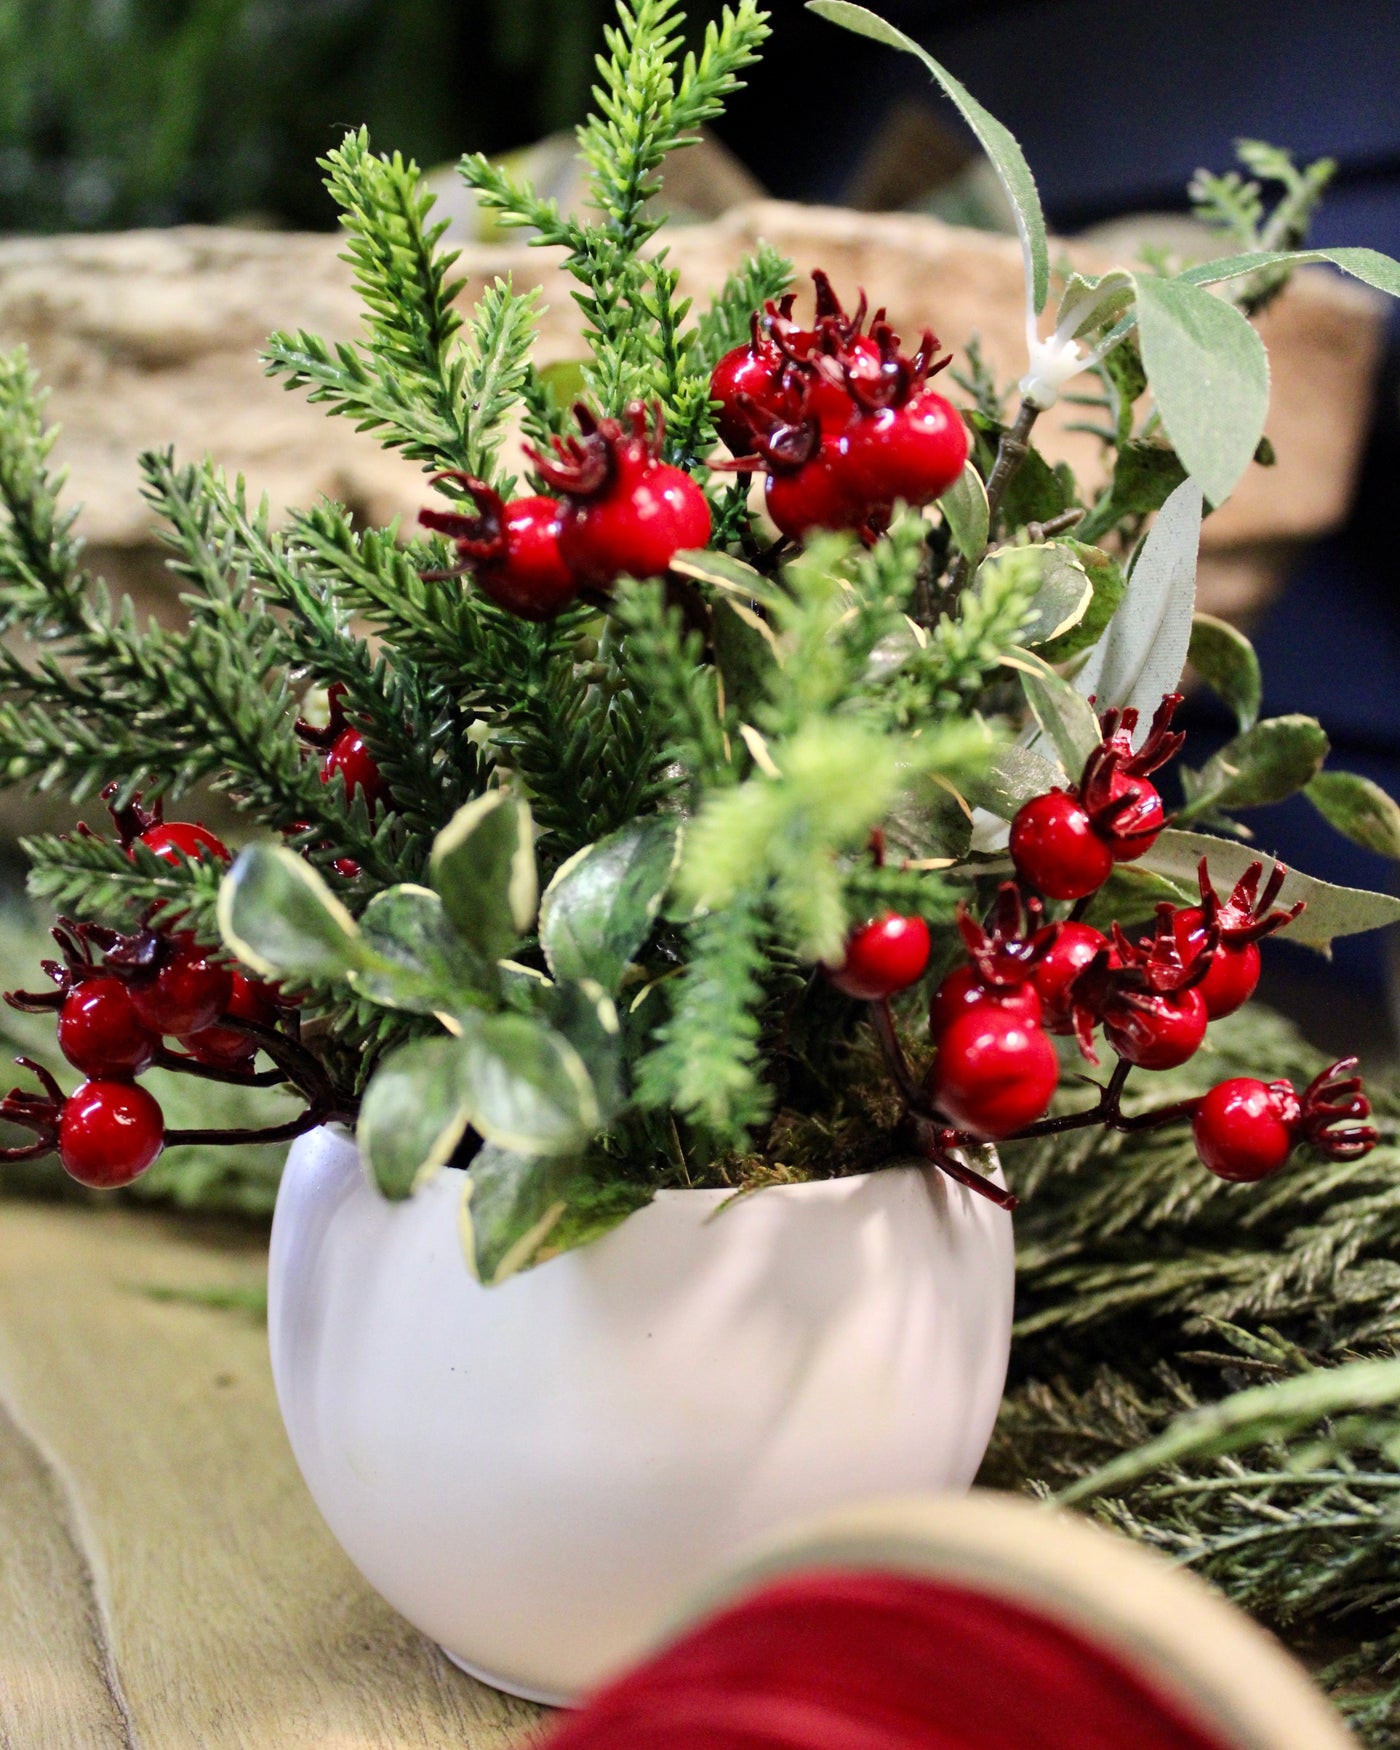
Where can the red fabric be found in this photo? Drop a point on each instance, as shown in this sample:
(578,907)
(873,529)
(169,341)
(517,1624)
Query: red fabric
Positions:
(847,1661)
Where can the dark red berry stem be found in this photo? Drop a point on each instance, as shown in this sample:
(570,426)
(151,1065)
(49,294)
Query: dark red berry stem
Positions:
(1011,452)
(180,1064)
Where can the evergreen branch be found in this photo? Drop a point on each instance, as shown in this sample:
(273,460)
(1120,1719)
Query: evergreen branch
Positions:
(40,583)
(374,398)
(706,1060)
(92,877)
(956,657)
(517,206)
(763,275)
(412,381)
(662,662)
(414,731)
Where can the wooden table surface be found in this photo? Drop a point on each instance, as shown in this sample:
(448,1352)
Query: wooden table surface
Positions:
(165,1580)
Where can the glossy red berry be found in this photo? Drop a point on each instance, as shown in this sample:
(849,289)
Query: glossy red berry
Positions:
(349,759)
(963,989)
(1162,1035)
(1244,1129)
(995,1072)
(882,957)
(223,1047)
(1071,947)
(1055,848)
(754,371)
(109,1133)
(171,839)
(817,495)
(1233,974)
(188,991)
(100,1033)
(530,578)
(912,452)
(651,513)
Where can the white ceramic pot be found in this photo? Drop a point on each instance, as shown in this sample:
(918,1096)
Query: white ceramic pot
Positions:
(540,1474)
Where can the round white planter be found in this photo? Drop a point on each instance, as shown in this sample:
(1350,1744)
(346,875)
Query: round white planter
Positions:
(539,1475)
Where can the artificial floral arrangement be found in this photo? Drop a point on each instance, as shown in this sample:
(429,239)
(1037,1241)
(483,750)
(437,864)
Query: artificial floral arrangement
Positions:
(642,825)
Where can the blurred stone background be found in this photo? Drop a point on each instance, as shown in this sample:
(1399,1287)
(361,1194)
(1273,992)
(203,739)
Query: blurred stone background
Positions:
(186,131)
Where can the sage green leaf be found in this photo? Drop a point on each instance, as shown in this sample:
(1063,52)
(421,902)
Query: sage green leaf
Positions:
(746,653)
(1225,660)
(1065,715)
(279,917)
(483,865)
(416,1110)
(519,1210)
(1064,596)
(1209,373)
(587,1017)
(599,908)
(1108,586)
(1013,777)
(964,506)
(1131,896)
(1269,762)
(1331,911)
(1093,302)
(1142,654)
(995,140)
(730,576)
(1144,477)
(1367,265)
(422,964)
(529,1088)
(1358,808)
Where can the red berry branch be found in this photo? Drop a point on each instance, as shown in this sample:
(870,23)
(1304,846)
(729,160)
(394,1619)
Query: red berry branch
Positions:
(118,999)
(994,1071)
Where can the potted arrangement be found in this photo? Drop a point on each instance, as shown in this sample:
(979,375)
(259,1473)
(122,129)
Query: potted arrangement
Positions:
(674,867)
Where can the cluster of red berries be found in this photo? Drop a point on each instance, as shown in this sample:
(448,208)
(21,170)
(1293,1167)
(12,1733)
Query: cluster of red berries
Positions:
(117,998)
(995,1070)
(620,512)
(840,420)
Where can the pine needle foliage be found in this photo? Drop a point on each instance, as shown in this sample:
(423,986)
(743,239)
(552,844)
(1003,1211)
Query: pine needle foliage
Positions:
(1149,1292)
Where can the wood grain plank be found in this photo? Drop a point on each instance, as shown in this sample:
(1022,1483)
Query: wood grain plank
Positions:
(58,1688)
(231,1615)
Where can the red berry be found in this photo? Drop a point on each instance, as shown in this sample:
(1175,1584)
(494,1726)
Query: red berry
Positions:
(914,452)
(1233,974)
(223,1047)
(818,495)
(963,989)
(1072,947)
(109,1133)
(1055,848)
(100,1033)
(995,1072)
(634,528)
(882,957)
(1160,1036)
(1133,831)
(171,839)
(349,757)
(530,578)
(1243,1130)
(189,991)
(828,399)
(754,369)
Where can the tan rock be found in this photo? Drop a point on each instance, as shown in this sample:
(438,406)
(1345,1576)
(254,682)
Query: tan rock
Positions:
(151,338)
